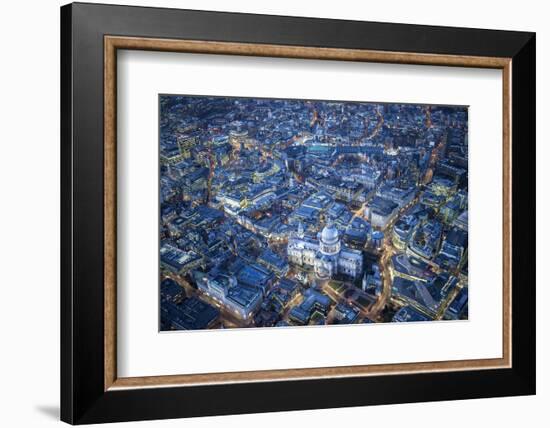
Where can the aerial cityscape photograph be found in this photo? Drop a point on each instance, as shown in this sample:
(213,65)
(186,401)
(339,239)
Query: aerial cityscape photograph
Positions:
(287,212)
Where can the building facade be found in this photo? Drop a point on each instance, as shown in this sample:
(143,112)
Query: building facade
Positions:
(326,255)
(243,301)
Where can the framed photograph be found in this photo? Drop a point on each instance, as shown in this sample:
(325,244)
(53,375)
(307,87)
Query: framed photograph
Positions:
(266,213)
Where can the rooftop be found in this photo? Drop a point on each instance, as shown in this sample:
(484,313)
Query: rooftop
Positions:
(190,314)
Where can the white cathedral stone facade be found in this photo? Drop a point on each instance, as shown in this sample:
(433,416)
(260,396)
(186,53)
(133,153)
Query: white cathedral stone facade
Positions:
(326,254)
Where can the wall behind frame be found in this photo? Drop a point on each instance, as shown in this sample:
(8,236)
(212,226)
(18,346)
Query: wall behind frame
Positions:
(29,220)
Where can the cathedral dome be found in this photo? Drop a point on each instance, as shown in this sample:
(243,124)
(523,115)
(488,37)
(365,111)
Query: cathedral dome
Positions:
(329,235)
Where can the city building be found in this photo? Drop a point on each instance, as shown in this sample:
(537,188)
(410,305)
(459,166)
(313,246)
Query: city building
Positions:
(186,142)
(191,314)
(256,276)
(380,212)
(171,290)
(401,197)
(238,138)
(403,231)
(426,240)
(409,314)
(178,261)
(462,221)
(170,155)
(344,314)
(372,283)
(410,267)
(414,293)
(453,249)
(357,232)
(314,301)
(458,308)
(273,262)
(242,300)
